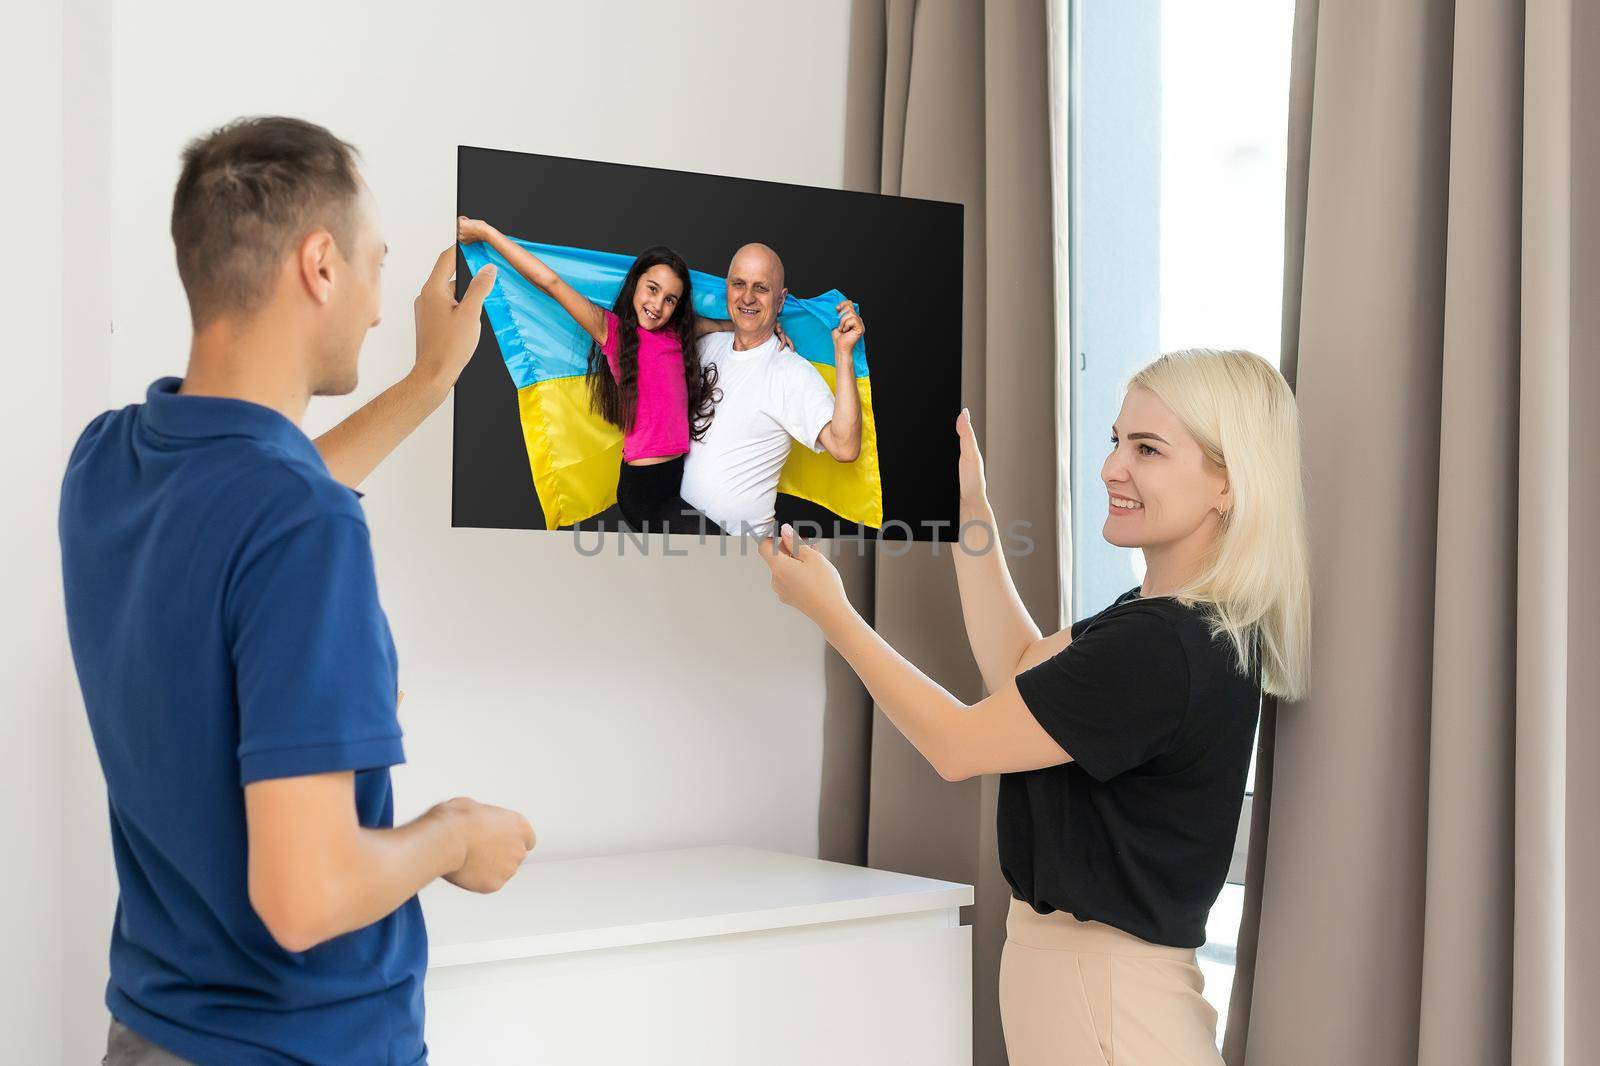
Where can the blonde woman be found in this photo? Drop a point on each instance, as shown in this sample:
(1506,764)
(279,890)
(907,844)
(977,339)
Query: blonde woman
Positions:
(1124,741)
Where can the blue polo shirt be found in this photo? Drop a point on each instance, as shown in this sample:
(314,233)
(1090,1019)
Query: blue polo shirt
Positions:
(224,619)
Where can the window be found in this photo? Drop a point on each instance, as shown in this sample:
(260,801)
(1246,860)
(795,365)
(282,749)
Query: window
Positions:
(1178,118)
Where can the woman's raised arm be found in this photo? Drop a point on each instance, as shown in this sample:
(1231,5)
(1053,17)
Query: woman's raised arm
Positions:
(997,735)
(1004,638)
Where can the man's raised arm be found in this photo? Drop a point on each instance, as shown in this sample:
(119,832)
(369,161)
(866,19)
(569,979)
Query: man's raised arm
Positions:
(841,437)
(447,333)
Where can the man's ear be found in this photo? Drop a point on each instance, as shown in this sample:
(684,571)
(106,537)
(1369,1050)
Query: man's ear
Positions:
(317,261)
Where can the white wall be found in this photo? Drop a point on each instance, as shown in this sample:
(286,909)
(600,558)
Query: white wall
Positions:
(88,886)
(32,632)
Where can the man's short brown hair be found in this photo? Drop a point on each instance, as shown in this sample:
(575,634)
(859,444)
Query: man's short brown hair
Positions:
(248,194)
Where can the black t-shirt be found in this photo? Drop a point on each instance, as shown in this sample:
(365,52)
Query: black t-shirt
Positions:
(1138,830)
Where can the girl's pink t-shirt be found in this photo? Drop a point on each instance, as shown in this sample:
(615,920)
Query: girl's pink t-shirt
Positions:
(661,417)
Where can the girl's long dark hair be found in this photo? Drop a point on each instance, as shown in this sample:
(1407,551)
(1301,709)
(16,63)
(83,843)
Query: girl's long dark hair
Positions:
(616,399)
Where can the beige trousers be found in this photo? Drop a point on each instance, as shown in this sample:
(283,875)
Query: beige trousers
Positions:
(1086,994)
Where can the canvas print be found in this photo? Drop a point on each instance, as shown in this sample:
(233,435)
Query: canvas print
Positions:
(686,353)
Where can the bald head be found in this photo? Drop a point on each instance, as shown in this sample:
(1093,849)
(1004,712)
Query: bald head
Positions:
(758,259)
(755,294)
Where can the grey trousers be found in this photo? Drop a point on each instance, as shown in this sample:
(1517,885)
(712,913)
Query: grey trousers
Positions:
(124,1047)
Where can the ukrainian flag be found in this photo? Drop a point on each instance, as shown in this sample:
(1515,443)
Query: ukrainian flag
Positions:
(574,454)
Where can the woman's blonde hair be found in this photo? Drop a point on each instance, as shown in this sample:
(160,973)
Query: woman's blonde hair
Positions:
(1256,583)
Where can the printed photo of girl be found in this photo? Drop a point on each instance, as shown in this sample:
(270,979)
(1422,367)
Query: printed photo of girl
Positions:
(644,376)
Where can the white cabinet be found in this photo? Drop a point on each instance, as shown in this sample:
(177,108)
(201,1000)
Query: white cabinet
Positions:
(707,956)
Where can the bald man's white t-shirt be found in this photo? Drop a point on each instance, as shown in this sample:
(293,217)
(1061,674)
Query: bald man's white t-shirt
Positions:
(769,395)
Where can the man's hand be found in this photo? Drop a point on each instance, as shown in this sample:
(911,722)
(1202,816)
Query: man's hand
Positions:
(447,332)
(850,328)
(841,437)
(497,840)
(316,873)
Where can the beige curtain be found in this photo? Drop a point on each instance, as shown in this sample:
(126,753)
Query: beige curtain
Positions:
(1427,891)
(966,119)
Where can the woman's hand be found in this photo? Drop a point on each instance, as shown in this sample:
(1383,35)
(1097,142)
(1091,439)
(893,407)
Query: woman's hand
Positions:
(803,577)
(470,230)
(974,491)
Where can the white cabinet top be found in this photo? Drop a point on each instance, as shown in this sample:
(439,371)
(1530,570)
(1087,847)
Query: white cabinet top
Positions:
(619,900)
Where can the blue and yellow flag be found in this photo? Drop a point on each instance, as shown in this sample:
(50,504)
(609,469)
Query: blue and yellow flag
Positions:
(575,454)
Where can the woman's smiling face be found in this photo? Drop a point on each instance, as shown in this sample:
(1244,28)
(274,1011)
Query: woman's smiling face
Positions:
(656,296)
(1161,485)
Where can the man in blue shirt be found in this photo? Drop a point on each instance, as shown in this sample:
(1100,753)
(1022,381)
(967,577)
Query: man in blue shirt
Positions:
(235,663)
